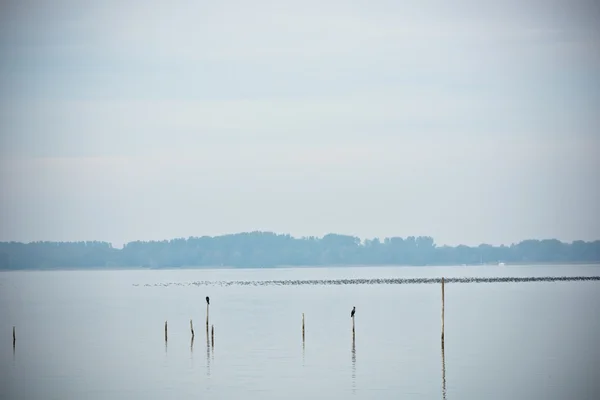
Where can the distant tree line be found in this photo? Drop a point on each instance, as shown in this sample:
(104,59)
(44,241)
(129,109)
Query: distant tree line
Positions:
(266,249)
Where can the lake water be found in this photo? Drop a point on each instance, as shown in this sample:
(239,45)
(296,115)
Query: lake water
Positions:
(100,335)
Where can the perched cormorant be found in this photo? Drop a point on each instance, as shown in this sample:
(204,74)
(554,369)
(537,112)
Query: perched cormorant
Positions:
(207,300)
(353,311)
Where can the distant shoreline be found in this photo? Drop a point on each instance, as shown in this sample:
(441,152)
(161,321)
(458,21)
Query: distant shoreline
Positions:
(270,250)
(192,268)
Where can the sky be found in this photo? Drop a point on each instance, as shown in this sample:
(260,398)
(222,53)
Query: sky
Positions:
(468,121)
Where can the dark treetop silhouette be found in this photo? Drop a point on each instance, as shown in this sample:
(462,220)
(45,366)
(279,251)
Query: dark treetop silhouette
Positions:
(265,249)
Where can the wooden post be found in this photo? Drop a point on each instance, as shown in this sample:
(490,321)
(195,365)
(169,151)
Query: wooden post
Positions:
(192,328)
(303,327)
(212,334)
(14,337)
(207,310)
(166,336)
(353,327)
(442,312)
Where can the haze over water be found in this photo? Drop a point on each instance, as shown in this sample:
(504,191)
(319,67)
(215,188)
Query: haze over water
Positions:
(126,127)
(94,335)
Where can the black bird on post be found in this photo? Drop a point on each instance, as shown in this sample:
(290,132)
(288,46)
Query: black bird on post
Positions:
(207,307)
(353,311)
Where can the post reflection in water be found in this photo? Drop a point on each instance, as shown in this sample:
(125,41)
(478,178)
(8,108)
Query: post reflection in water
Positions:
(353,365)
(192,352)
(207,356)
(212,348)
(443,373)
(303,353)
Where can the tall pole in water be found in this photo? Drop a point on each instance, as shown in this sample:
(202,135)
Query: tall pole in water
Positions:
(443,352)
(442,312)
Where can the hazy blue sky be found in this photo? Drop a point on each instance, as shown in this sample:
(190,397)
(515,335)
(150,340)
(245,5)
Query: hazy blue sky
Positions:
(470,121)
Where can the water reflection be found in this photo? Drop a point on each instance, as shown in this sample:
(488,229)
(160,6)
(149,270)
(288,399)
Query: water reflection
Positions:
(443,373)
(207,356)
(192,345)
(303,352)
(353,364)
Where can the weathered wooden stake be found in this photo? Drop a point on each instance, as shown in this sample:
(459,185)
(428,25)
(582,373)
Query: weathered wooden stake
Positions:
(303,327)
(212,334)
(192,328)
(207,310)
(442,312)
(353,327)
(14,337)
(166,336)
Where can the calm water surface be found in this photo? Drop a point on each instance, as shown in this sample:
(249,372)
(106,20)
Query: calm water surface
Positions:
(100,335)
